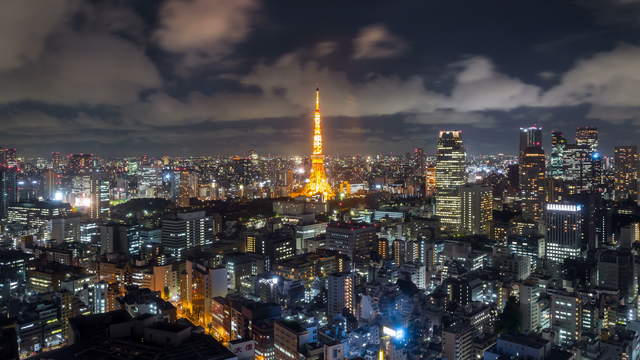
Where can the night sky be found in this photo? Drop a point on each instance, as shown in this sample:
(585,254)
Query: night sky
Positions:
(199,77)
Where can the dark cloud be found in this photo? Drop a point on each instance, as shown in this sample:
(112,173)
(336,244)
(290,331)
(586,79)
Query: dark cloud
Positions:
(199,76)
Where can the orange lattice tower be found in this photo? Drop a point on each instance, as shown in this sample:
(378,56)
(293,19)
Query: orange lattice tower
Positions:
(318,183)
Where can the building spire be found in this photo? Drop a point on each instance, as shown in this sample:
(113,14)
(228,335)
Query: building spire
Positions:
(317,99)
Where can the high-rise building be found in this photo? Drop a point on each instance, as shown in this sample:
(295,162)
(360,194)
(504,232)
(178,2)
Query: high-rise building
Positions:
(355,240)
(341,294)
(566,317)
(529,309)
(185,231)
(563,222)
(556,163)
(57,162)
(615,271)
(450,175)
(77,162)
(50,184)
(383,248)
(8,157)
(187,187)
(457,342)
(318,181)
(582,168)
(530,137)
(99,197)
(398,251)
(8,189)
(626,171)
(587,136)
(476,208)
(532,185)
(430,181)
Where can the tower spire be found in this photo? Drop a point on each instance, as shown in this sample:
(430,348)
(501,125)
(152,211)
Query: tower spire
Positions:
(318,184)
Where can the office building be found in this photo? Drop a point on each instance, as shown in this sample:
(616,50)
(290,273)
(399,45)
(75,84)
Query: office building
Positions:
(476,208)
(564,233)
(450,175)
(530,137)
(587,136)
(355,240)
(187,230)
(532,246)
(556,162)
(615,270)
(99,197)
(626,169)
(8,190)
(566,317)
(531,178)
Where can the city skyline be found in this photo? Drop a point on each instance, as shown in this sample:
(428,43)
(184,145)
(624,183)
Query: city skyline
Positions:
(197,77)
(175,186)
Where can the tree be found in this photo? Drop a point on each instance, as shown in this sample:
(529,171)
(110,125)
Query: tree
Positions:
(509,320)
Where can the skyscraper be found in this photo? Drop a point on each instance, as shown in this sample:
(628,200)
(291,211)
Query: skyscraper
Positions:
(558,144)
(99,197)
(50,183)
(450,175)
(318,182)
(340,294)
(587,136)
(187,188)
(626,172)
(529,308)
(581,167)
(532,175)
(8,189)
(477,208)
(530,137)
(563,222)
(56,162)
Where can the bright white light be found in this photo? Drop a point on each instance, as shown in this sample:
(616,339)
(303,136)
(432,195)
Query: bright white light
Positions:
(564,207)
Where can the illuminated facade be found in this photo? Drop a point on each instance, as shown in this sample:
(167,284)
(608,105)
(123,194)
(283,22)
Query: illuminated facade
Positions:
(564,231)
(556,164)
(341,294)
(587,136)
(450,175)
(99,201)
(532,175)
(530,137)
(477,208)
(318,183)
(626,171)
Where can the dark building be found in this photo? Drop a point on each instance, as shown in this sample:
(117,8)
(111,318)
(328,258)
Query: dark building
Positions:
(8,190)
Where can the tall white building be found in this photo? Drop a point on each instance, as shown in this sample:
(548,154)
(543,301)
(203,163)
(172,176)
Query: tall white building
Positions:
(529,309)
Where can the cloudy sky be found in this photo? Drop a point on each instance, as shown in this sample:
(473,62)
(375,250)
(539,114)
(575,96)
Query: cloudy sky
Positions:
(126,77)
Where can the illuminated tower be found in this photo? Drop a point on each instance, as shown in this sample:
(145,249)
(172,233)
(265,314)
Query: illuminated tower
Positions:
(532,175)
(318,183)
(450,175)
(626,168)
